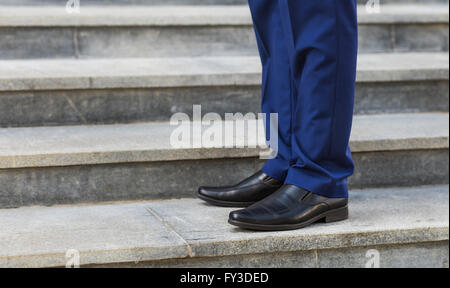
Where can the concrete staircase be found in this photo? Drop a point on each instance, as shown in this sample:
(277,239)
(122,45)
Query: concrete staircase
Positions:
(85,101)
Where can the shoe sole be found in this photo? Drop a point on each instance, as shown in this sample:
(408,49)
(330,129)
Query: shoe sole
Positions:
(220,203)
(335,215)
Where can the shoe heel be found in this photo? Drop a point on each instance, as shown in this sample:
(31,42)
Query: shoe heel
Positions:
(337,215)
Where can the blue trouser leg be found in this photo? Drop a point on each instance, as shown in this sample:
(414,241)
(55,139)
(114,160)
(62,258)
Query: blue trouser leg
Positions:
(276,89)
(321,42)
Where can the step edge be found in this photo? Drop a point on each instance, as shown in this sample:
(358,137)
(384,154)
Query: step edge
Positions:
(365,239)
(435,230)
(162,154)
(207,78)
(416,235)
(438,234)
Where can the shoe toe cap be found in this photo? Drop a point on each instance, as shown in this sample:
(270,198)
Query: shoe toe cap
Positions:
(240,215)
(202,190)
(206,191)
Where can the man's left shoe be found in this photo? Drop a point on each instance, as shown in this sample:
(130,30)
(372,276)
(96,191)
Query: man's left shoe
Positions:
(251,190)
(290,208)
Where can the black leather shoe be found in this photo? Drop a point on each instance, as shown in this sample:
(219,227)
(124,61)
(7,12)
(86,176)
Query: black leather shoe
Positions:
(244,194)
(290,208)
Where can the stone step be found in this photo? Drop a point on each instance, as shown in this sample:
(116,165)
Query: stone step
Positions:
(406,227)
(168,31)
(72,164)
(104,91)
(182,2)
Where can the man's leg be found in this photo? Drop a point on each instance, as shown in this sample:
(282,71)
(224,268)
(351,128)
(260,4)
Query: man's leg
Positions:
(277,95)
(276,98)
(322,50)
(322,47)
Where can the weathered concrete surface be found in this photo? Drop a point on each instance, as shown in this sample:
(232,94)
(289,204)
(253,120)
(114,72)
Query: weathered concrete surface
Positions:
(40,237)
(66,74)
(128,73)
(431,255)
(403,37)
(117,182)
(402,67)
(151,142)
(409,13)
(402,97)
(403,224)
(400,168)
(399,132)
(129,16)
(110,106)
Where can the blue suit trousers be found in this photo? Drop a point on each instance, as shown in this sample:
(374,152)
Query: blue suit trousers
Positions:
(308,50)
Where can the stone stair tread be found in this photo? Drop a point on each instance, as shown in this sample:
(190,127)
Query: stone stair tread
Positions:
(50,16)
(195,71)
(150,142)
(174,229)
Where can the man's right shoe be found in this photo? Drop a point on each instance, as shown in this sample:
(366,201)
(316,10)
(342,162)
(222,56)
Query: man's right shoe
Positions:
(244,194)
(289,208)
